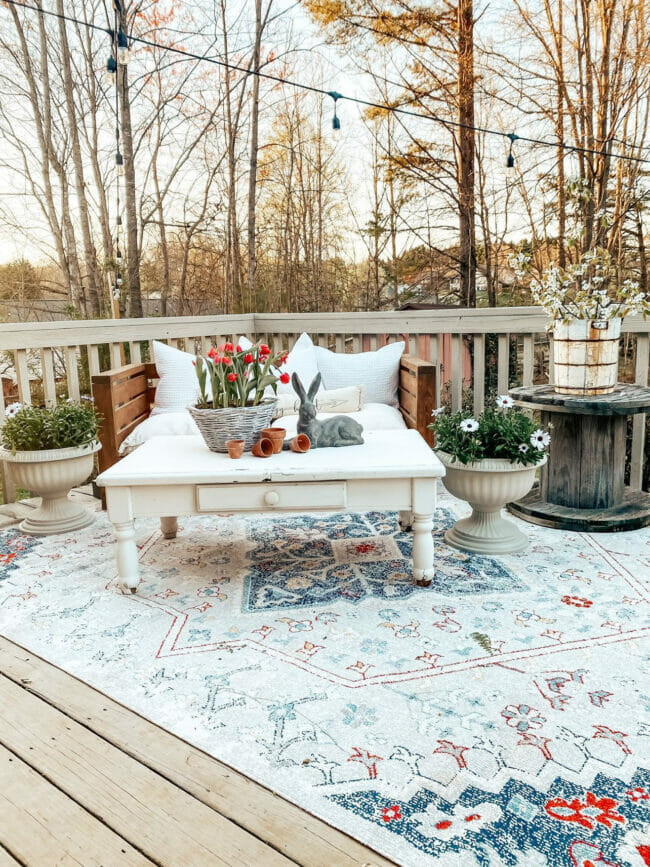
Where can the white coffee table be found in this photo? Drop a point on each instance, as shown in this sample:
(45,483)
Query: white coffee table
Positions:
(171,476)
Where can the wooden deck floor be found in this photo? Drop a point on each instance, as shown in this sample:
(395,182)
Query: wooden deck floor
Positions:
(84,780)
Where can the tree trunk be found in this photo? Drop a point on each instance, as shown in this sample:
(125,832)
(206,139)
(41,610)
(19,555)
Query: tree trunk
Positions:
(132,245)
(252,170)
(90,253)
(467,243)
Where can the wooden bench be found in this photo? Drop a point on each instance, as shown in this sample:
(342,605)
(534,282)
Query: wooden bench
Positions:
(124,397)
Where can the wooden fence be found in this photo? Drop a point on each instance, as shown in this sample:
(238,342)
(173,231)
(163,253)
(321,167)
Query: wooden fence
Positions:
(478,349)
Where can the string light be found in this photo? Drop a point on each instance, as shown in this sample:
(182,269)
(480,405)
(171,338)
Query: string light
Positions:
(119,162)
(123,52)
(510,162)
(567,148)
(336,123)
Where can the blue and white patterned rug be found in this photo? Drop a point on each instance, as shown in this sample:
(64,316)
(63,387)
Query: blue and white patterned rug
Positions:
(499,717)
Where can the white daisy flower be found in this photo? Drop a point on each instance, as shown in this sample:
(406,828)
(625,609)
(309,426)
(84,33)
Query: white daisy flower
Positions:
(540,439)
(523,448)
(12,409)
(436,412)
(469,425)
(504,401)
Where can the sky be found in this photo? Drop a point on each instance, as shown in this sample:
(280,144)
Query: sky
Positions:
(314,61)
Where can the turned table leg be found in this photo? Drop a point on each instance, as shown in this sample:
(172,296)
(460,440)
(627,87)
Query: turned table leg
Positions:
(169,527)
(423,550)
(128,568)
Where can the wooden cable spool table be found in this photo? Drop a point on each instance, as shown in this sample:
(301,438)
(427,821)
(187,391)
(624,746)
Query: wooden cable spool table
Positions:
(582,486)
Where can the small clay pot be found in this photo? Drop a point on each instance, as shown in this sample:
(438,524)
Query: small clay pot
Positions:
(263,448)
(276,435)
(235,448)
(300,443)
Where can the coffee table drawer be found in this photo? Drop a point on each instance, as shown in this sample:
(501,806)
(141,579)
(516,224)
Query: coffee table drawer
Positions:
(270,497)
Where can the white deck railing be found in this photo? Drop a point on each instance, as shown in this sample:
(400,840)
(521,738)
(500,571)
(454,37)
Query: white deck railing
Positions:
(48,357)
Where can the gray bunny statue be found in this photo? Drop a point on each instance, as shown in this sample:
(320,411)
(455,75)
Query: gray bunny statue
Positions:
(339,430)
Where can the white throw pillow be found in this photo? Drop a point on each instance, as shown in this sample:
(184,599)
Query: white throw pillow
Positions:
(335,401)
(178,386)
(165,424)
(301,360)
(373,416)
(378,371)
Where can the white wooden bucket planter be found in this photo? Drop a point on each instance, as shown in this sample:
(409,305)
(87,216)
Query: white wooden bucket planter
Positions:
(585,356)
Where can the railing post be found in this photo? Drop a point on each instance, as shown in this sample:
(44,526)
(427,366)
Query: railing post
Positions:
(639,420)
(478,378)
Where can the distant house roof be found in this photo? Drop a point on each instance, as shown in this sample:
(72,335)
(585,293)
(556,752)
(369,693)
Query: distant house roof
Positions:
(427,305)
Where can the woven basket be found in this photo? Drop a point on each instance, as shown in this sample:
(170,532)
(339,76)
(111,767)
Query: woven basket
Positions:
(217,426)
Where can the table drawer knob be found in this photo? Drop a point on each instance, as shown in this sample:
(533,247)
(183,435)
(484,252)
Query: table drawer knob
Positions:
(271,498)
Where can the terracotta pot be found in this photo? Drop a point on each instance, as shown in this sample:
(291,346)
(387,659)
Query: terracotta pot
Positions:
(585,356)
(50,474)
(487,486)
(235,448)
(276,435)
(263,448)
(300,443)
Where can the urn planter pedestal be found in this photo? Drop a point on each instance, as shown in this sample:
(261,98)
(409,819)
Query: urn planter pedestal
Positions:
(50,474)
(487,485)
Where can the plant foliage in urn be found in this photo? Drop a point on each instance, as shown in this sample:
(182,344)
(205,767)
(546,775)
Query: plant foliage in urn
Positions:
(501,432)
(236,390)
(489,461)
(31,428)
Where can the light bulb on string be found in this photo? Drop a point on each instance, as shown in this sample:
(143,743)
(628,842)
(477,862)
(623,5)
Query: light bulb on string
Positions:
(336,123)
(123,51)
(118,258)
(119,162)
(118,279)
(109,71)
(510,162)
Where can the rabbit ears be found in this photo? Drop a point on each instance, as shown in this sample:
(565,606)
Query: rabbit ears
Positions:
(300,390)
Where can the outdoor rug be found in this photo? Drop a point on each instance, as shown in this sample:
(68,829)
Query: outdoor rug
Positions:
(499,717)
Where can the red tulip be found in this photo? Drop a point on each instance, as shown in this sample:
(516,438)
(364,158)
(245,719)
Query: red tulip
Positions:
(227,360)
(239,349)
(212,352)
(248,358)
(228,347)
(194,363)
(232,377)
(222,347)
(285,378)
(264,350)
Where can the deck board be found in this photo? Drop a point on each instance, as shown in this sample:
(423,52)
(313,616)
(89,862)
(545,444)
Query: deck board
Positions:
(41,825)
(109,730)
(162,820)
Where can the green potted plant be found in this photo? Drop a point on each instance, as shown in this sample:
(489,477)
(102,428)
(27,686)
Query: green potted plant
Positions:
(490,461)
(586,304)
(236,393)
(50,450)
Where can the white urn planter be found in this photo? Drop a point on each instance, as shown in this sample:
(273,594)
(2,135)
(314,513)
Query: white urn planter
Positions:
(585,356)
(487,485)
(50,474)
